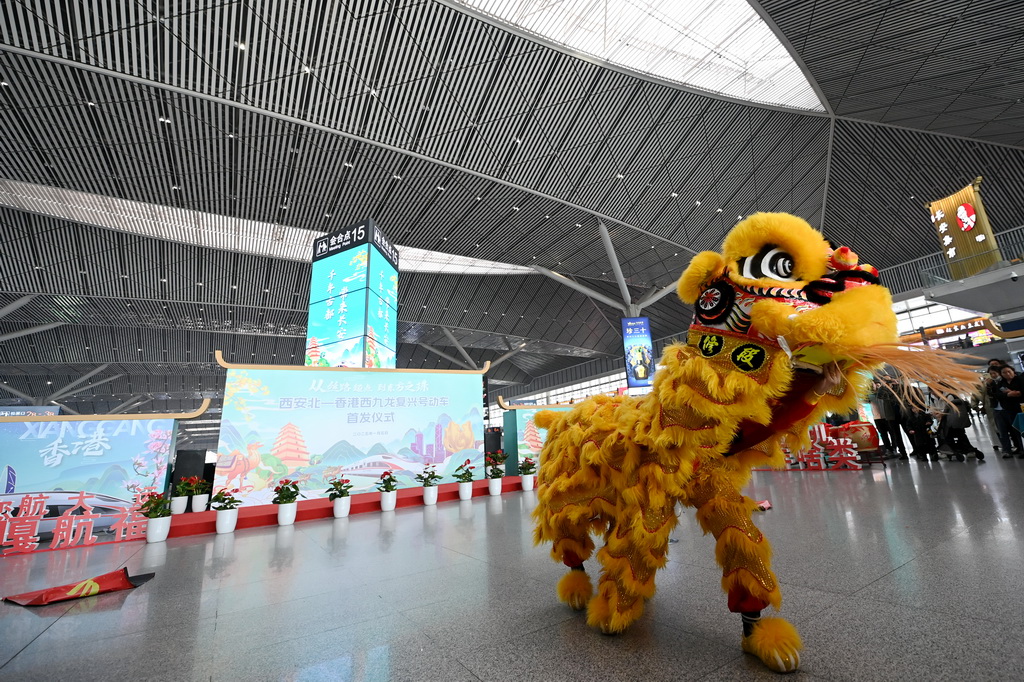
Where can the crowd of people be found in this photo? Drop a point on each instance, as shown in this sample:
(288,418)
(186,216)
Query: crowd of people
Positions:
(935,422)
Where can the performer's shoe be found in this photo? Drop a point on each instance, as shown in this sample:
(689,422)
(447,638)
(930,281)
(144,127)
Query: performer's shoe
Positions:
(776,642)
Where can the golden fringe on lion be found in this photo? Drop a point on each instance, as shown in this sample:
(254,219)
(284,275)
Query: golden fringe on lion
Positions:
(786,329)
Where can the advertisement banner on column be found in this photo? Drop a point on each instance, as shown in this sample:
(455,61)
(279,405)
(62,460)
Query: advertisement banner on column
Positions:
(636,340)
(312,426)
(75,482)
(963,231)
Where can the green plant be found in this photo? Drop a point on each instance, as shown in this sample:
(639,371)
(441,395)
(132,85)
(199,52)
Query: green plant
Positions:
(495,470)
(429,477)
(498,456)
(339,488)
(191,485)
(387,483)
(155,507)
(225,499)
(527,467)
(183,488)
(464,472)
(286,492)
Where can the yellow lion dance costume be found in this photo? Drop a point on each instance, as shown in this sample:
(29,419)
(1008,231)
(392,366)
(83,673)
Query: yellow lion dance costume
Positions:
(775,312)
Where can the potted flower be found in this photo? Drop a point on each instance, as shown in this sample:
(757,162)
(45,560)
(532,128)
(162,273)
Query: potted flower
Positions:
(388,487)
(339,495)
(528,471)
(429,479)
(182,491)
(157,510)
(464,475)
(286,497)
(494,474)
(226,504)
(200,493)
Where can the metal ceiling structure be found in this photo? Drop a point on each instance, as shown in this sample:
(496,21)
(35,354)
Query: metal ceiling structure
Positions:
(163,163)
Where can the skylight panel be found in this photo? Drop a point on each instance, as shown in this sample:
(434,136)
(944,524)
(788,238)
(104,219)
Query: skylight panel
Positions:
(718,46)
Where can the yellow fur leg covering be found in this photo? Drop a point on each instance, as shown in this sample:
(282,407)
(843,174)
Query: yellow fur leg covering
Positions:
(612,610)
(747,564)
(776,642)
(575,589)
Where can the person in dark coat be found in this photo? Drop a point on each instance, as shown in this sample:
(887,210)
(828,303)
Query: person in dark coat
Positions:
(919,420)
(1010,393)
(957,419)
(891,411)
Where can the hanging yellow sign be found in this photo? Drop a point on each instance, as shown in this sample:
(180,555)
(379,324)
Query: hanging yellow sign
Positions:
(964,232)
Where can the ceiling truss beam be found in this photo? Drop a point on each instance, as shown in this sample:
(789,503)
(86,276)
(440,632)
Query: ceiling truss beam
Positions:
(462,351)
(31,330)
(60,392)
(562,279)
(609,248)
(14,305)
(447,357)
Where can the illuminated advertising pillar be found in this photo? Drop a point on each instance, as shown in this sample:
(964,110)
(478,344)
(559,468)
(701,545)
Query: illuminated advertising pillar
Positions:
(353,299)
(636,340)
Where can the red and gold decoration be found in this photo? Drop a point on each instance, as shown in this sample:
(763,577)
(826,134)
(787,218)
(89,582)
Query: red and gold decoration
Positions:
(964,232)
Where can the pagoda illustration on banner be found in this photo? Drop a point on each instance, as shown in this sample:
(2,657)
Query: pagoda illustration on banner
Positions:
(290,448)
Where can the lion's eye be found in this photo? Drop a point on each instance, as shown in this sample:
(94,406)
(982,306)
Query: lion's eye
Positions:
(771,262)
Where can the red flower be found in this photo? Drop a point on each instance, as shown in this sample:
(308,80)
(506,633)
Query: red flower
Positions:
(465,463)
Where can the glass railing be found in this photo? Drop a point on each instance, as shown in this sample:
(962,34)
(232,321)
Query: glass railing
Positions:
(936,269)
(952,270)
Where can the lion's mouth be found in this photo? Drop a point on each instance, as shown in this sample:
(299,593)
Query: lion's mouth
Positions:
(822,290)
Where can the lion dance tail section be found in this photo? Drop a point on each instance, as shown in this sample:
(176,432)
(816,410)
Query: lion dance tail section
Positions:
(564,512)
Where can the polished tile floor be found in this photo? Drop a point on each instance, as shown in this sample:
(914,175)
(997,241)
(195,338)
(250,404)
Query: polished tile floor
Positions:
(907,573)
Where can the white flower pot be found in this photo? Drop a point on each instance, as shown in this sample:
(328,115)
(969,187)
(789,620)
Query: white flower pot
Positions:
(388,500)
(200,502)
(178,504)
(226,520)
(430,495)
(494,486)
(157,529)
(466,490)
(286,513)
(527,481)
(342,506)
